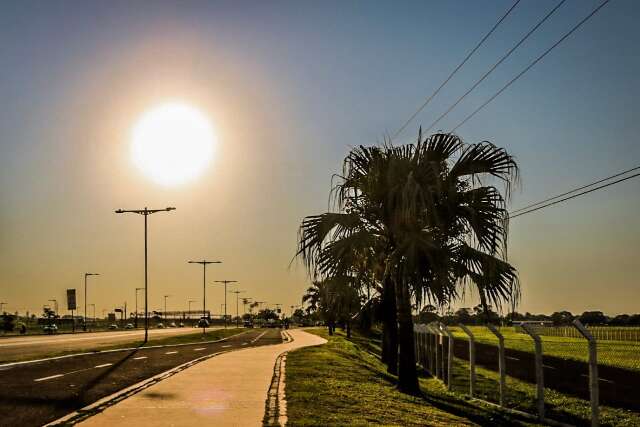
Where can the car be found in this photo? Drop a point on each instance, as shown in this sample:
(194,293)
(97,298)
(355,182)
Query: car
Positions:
(203,323)
(129,326)
(161,326)
(50,329)
(181,325)
(248,324)
(173,325)
(113,326)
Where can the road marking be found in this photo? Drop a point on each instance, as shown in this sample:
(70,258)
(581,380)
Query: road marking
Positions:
(258,337)
(171,352)
(104,365)
(140,358)
(199,349)
(49,378)
(225,346)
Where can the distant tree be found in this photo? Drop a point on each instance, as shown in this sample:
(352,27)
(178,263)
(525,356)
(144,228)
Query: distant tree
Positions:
(463,315)
(268,314)
(593,318)
(428,314)
(634,320)
(8,322)
(562,318)
(620,320)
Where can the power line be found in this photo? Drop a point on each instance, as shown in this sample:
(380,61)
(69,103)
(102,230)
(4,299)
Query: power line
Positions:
(425,103)
(490,70)
(578,25)
(575,189)
(576,195)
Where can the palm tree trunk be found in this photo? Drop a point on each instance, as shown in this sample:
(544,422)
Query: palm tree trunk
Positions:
(389,327)
(407,372)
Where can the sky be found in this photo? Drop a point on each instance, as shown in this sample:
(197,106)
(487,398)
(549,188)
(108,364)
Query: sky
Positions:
(289,87)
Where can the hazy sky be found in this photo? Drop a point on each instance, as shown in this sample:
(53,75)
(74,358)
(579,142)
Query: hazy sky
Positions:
(290,86)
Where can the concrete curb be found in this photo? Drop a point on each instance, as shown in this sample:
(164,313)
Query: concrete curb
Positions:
(275,413)
(115,350)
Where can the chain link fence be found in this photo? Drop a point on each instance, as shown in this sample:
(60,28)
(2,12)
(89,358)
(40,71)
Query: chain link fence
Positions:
(554,374)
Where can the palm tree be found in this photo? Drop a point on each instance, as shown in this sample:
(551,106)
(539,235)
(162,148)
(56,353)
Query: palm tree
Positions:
(423,214)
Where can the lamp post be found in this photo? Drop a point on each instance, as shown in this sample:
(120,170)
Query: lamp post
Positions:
(237,311)
(190,301)
(204,264)
(164,314)
(137,289)
(84,323)
(55,304)
(145,212)
(225,282)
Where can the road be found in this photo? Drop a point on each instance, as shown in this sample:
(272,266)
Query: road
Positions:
(37,393)
(33,347)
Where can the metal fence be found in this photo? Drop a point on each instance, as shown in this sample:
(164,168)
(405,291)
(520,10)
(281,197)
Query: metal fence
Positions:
(531,372)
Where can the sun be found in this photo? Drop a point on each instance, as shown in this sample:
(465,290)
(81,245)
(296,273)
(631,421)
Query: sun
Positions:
(172,143)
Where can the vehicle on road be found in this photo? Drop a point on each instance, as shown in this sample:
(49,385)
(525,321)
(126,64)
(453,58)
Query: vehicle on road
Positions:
(113,326)
(161,326)
(181,325)
(129,326)
(50,329)
(173,325)
(203,323)
(248,324)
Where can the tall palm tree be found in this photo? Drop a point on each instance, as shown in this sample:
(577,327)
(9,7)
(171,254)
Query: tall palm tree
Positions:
(429,215)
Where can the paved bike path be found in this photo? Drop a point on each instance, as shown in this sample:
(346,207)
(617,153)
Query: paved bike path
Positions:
(227,390)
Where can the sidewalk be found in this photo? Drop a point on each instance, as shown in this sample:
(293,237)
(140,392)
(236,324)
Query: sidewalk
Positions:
(226,390)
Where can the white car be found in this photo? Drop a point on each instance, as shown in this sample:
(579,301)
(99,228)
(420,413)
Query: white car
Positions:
(173,325)
(129,326)
(161,326)
(113,326)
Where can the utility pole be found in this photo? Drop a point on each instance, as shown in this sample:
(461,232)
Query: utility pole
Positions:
(237,311)
(225,282)
(204,264)
(137,289)
(84,325)
(145,212)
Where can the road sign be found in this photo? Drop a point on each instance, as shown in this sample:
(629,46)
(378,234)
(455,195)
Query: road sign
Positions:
(71,299)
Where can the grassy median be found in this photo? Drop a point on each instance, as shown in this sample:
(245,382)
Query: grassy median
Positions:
(342,383)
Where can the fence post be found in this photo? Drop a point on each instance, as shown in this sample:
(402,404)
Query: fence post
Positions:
(449,354)
(472,359)
(594,386)
(437,335)
(501,365)
(539,369)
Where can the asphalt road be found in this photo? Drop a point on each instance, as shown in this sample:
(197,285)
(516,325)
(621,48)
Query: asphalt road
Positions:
(37,393)
(33,347)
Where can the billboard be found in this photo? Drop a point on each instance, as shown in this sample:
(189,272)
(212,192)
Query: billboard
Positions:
(71,299)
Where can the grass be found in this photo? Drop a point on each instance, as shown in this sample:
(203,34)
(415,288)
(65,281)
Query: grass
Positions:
(623,354)
(343,383)
(196,337)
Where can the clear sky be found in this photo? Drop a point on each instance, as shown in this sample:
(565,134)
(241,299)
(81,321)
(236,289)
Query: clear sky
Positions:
(289,87)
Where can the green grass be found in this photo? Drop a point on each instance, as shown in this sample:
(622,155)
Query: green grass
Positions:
(623,354)
(194,338)
(342,383)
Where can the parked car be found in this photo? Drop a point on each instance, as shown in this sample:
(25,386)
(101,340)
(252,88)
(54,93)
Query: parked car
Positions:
(181,325)
(203,323)
(50,329)
(129,326)
(173,325)
(248,324)
(113,326)
(160,326)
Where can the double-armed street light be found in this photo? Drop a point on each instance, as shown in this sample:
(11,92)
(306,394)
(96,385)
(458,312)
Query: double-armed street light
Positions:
(204,264)
(84,323)
(225,282)
(237,311)
(145,212)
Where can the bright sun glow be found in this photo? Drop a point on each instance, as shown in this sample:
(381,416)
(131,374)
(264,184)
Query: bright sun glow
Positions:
(172,143)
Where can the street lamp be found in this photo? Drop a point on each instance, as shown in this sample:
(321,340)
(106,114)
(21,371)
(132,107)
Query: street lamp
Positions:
(237,313)
(137,289)
(204,264)
(190,301)
(55,304)
(164,314)
(226,282)
(145,212)
(84,324)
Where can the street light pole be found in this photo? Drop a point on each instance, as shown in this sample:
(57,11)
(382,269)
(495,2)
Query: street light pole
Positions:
(145,212)
(137,289)
(204,264)
(226,282)
(84,325)
(164,313)
(237,311)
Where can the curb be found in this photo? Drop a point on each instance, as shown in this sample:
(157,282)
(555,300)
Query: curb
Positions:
(275,406)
